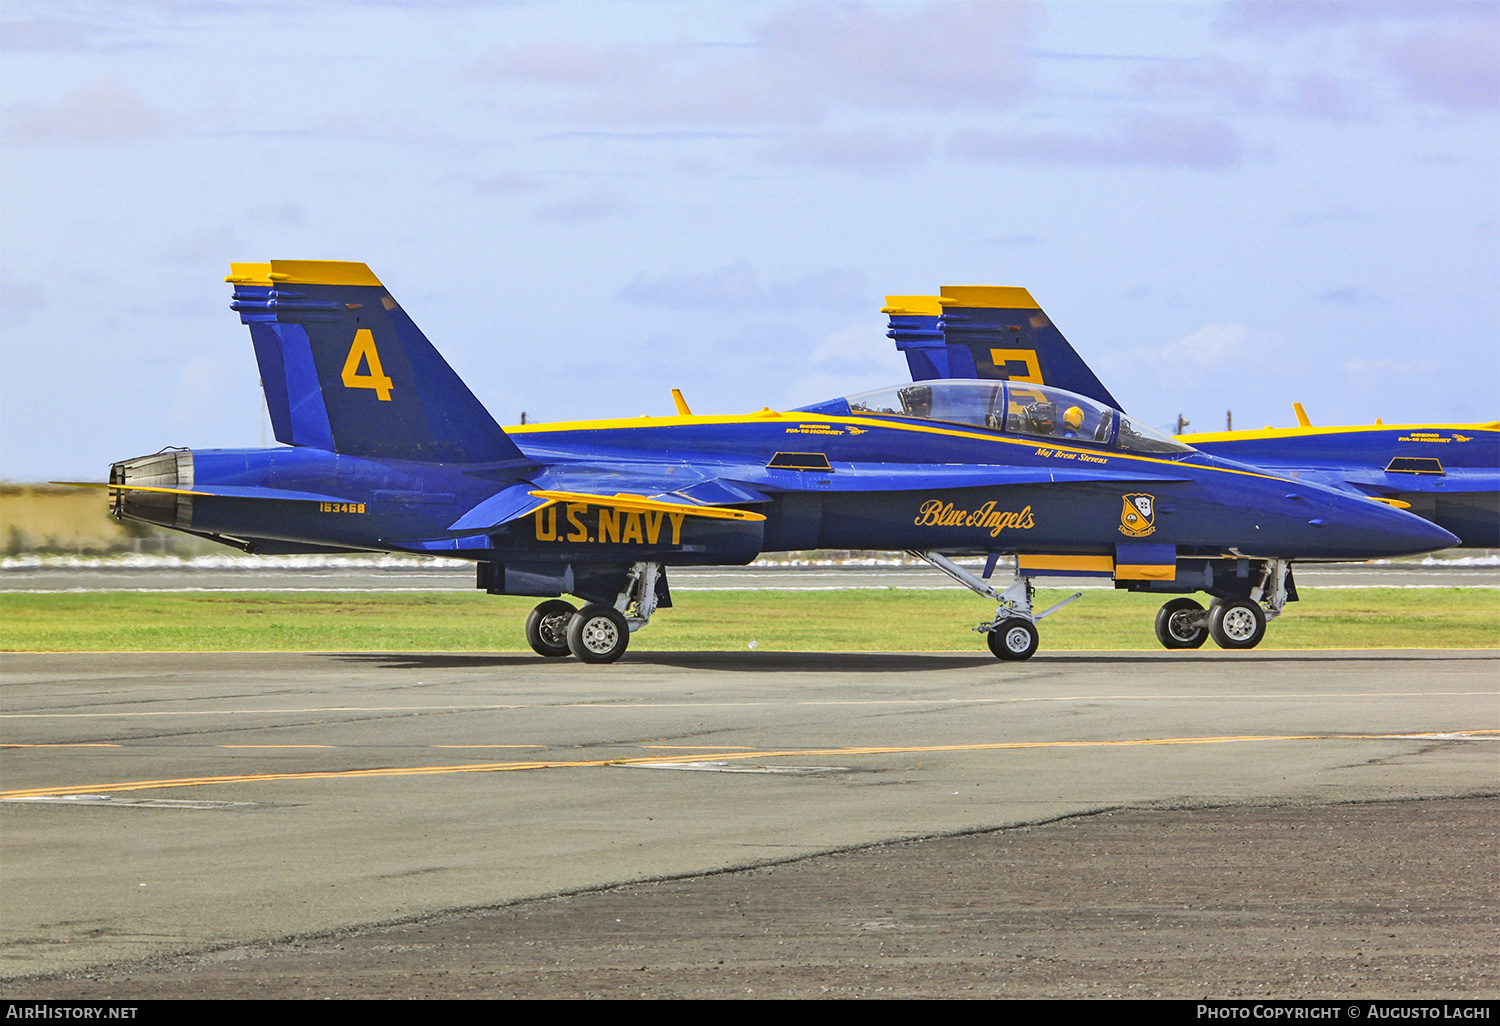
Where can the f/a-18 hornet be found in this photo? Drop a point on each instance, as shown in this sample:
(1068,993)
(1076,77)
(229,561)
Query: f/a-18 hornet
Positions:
(1446,473)
(385,449)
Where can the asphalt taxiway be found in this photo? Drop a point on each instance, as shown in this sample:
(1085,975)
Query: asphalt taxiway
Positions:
(280,574)
(170,803)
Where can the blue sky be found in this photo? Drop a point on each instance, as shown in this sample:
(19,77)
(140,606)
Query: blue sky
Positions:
(1223,206)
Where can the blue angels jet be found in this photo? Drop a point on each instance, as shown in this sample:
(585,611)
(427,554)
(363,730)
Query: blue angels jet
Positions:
(385,449)
(1446,473)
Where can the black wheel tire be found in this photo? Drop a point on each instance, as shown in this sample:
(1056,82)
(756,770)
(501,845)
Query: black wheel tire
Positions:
(598,634)
(1175,627)
(1237,623)
(547,628)
(1013,639)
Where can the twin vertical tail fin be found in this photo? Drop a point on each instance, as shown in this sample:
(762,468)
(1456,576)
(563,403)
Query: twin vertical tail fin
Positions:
(345,369)
(986,331)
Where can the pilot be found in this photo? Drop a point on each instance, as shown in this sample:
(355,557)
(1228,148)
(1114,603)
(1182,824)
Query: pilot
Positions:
(916,400)
(1041,418)
(1072,421)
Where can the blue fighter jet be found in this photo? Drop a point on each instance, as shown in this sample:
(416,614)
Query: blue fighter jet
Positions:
(1446,473)
(385,449)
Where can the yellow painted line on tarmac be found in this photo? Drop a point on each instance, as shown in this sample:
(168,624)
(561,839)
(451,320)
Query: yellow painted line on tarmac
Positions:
(275,746)
(504,767)
(690,748)
(484,746)
(65,744)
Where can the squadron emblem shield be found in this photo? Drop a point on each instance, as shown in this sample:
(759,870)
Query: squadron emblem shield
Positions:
(1138,517)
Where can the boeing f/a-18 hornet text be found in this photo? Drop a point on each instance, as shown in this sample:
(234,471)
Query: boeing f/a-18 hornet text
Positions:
(385,449)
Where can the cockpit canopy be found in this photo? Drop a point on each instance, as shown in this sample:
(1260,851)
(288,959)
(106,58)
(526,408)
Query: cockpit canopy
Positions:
(1015,407)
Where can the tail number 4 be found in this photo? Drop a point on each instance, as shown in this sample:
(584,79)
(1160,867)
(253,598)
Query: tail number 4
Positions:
(364,348)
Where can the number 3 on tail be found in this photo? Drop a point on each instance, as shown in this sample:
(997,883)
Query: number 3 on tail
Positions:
(364,347)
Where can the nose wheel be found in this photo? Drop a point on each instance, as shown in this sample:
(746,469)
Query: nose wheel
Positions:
(1012,634)
(1013,639)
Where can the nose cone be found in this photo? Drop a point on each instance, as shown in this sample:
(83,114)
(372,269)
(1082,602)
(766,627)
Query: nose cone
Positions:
(1366,529)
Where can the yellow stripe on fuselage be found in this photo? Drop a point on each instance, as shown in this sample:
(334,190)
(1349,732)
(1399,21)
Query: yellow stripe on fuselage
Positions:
(761,417)
(1312,432)
(1146,572)
(1092,564)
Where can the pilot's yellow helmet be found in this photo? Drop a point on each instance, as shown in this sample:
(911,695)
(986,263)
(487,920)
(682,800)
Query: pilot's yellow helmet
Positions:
(1073,417)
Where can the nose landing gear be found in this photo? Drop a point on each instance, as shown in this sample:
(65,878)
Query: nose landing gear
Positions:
(1012,634)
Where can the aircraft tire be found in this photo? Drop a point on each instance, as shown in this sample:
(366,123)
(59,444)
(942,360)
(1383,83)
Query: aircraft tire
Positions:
(1175,627)
(1013,639)
(598,634)
(1237,623)
(547,628)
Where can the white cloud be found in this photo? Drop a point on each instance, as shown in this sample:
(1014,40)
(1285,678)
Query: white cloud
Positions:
(1211,347)
(737,286)
(872,150)
(205,247)
(105,112)
(19,300)
(1150,140)
(1321,95)
(850,360)
(1238,83)
(943,57)
(1453,66)
(581,208)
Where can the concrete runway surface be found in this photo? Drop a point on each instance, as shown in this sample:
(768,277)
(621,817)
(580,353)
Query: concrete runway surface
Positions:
(159,804)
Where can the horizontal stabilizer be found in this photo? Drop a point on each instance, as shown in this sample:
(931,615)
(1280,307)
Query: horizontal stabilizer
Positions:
(504,506)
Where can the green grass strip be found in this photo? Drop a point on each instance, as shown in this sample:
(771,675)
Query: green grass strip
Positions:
(864,620)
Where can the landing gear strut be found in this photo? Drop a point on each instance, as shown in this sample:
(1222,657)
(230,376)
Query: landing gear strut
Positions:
(1012,633)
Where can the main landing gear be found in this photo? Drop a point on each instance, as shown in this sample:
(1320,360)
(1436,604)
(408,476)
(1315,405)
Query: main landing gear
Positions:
(1233,623)
(1012,633)
(597,633)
